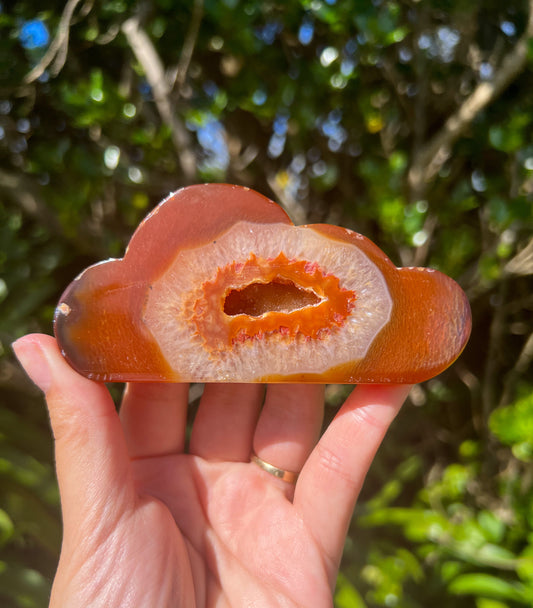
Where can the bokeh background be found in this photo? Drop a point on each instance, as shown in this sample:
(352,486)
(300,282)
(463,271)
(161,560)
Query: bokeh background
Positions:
(410,121)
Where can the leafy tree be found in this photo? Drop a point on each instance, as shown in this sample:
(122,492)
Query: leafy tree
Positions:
(407,121)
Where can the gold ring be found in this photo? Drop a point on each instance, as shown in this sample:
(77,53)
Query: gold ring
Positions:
(288,476)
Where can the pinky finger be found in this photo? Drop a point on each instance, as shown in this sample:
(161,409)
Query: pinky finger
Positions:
(333,475)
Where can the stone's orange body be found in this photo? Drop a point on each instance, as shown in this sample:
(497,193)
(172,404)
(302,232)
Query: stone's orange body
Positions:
(217,285)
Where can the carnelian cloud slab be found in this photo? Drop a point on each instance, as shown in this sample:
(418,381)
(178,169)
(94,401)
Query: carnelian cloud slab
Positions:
(217,285)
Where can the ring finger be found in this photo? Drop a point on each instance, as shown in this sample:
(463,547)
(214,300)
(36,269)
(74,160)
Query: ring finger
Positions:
(289,425)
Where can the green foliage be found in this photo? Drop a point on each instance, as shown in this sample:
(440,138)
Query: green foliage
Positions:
(513,425)
(327,106)
(29,519)
(346,595)
(464,539)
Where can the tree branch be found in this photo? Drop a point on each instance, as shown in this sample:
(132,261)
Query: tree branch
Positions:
(521,366)
(57,51)
(522,262)
(147,56)
(428,162)
(176,78)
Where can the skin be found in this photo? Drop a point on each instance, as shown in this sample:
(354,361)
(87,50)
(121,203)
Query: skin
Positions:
(147,523)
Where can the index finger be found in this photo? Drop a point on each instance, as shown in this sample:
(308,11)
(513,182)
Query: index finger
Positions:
(333,475)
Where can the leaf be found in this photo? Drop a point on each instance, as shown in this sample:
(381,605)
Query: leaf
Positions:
(7,527)
(26,587)
(505,139)
(346,595)
(489,603)
(493,526)
(525,564)
(513,425)
(486,585)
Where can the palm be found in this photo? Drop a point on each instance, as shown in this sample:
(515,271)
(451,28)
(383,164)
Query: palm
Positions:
(230,532)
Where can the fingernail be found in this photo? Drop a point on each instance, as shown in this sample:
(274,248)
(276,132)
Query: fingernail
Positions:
(34,362)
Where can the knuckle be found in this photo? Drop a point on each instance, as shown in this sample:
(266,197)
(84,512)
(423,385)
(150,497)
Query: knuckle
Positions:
(333,464)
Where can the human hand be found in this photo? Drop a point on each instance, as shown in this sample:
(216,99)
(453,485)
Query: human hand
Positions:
(148,524)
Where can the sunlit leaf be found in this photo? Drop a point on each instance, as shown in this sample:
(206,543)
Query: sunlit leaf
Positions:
(346,595)
(487,586)
(513,425)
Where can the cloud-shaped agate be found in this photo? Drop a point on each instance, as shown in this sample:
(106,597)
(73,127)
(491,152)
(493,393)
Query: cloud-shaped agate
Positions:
(218,285)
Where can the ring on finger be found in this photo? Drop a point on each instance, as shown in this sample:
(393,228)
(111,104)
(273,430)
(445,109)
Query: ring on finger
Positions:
(284,475)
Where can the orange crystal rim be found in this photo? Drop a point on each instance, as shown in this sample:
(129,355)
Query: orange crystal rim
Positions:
(221,331)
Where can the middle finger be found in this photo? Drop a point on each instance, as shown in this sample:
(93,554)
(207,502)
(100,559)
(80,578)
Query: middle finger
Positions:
(153,417)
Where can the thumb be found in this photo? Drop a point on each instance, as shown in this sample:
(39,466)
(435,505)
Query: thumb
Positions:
(93,468)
